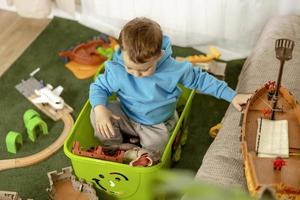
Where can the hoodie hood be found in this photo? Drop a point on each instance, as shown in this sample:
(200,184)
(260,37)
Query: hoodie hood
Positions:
(166,47)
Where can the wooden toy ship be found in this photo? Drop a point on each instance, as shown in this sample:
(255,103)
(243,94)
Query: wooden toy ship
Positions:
(270,138)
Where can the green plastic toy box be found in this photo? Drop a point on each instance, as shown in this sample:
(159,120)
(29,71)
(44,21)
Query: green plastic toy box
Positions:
(122,181)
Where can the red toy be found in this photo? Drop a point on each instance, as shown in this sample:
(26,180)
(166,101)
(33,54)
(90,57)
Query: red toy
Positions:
(278,163)
(266,112)
(270,85)
(99,153)
(86,53)
(143,161)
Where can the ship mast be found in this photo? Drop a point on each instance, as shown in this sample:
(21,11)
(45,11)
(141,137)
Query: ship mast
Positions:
(283,49)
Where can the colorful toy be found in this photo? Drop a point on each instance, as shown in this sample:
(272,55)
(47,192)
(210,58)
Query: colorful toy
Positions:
(118,179)
(207,62)
(108,53)
(278,163)
(29,114)
(13,141)
(85,59)
(45,153)
(271,87)
(27,89)
(264,140)
(138,157)
(56,110)
(63,185)
(48,95)
(213,54)
(33,122)
(99,152)
(81,71)
(213,131)
(266,112)
(85,53)
(122,153)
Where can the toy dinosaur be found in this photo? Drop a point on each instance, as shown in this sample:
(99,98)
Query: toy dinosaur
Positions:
(86,59)
(85,53)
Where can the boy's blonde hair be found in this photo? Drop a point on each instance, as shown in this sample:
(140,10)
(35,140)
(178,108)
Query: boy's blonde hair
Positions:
(142,39)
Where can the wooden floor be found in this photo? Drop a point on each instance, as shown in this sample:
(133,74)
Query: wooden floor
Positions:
(16,35)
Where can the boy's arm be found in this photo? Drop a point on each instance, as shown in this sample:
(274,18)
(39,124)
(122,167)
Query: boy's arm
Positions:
(102,88)
(195,78)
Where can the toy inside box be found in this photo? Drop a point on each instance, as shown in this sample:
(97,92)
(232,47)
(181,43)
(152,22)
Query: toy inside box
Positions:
(122,180)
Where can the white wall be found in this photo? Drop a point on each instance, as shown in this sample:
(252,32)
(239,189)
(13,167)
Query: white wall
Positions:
(55,11)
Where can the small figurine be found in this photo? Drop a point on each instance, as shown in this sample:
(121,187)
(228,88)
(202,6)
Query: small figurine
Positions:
(278,163)
(266,112)
(138,157)
(271,87)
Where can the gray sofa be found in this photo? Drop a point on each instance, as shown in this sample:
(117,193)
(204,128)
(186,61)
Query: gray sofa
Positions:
(223,163)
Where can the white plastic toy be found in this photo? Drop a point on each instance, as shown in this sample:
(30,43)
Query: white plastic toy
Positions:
(50,96)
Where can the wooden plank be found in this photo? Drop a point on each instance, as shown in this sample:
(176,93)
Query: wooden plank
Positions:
(15,28)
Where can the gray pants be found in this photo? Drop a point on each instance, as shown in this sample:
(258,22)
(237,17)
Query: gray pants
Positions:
(152,137)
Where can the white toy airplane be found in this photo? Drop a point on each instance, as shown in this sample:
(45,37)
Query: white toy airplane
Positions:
(50,96)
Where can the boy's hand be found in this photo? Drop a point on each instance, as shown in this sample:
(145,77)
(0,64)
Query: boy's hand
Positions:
(103,121)
(239,100)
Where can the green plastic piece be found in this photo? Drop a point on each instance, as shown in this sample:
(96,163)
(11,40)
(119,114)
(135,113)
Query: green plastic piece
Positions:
(33,125)
(29,114)
(33,122)
(108,52)
(13,140)
(177,155)
(116,179)
(184,136)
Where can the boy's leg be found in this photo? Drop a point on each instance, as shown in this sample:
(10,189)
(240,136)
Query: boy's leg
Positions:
(155,138)
(120,126)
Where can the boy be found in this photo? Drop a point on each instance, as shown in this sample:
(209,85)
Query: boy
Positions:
(145,76)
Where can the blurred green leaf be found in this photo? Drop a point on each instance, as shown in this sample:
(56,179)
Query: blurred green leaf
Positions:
(177,183)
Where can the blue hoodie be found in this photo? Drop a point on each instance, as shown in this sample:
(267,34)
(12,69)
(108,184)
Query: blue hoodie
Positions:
(151,100)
